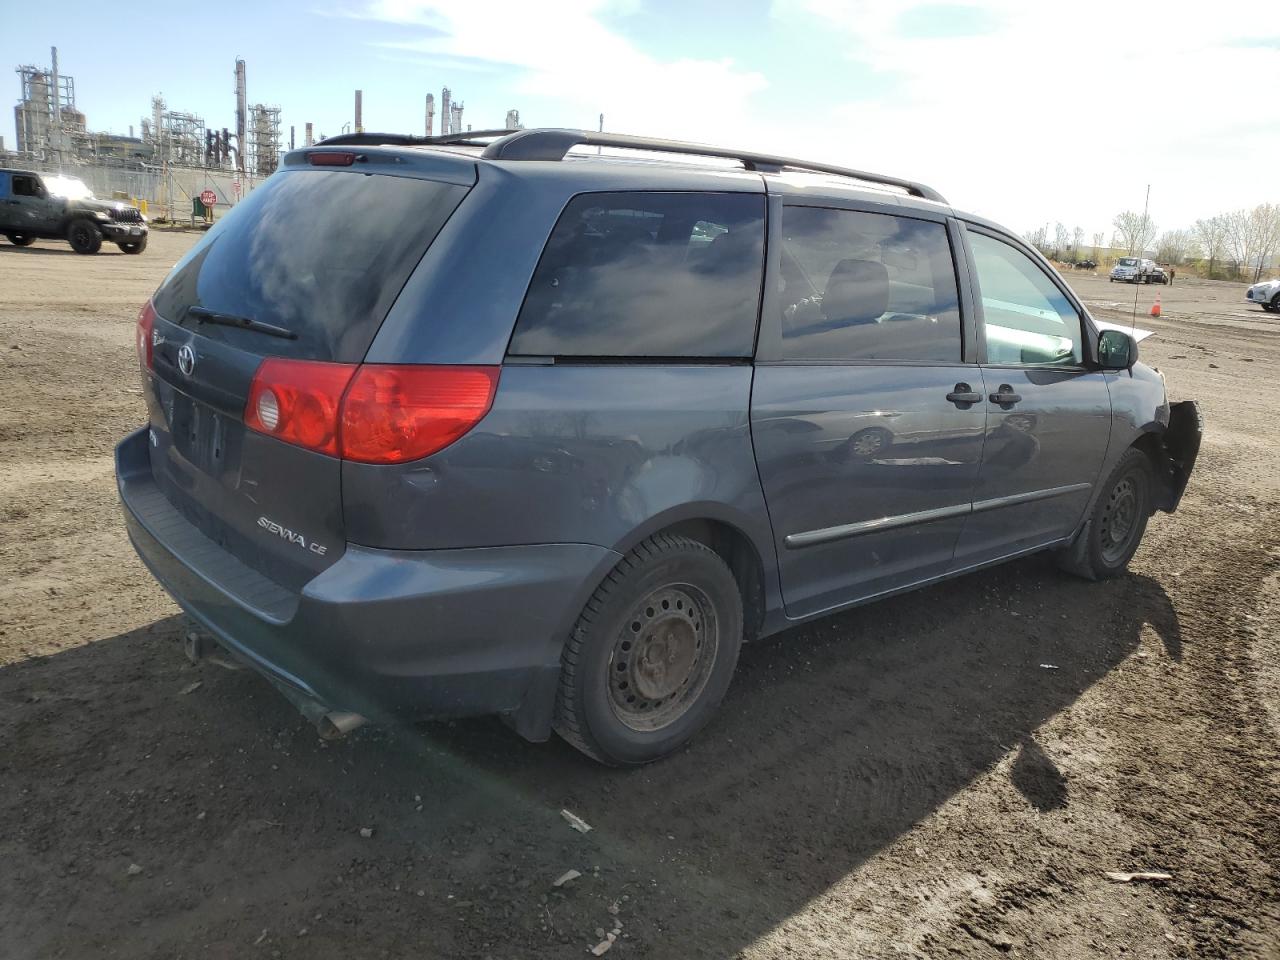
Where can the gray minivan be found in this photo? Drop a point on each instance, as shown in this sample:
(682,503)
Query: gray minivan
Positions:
(487,424)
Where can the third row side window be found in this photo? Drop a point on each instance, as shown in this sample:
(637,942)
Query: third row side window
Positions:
(867,286)
(647,275)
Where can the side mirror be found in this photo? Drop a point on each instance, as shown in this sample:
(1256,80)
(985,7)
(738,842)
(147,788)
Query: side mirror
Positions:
(1116,350)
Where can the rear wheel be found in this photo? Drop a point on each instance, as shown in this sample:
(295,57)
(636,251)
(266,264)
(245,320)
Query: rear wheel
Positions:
(1118,521)
(652,654)
(134,246)
(84,237)
(21,239)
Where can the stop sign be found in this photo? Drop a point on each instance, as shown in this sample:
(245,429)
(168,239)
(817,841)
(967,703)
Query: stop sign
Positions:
(208,198)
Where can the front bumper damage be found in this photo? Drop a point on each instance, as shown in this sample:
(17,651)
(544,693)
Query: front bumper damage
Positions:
(1180,446)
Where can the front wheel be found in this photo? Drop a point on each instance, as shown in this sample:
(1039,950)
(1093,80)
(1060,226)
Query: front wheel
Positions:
(133,246)
(1274,306)
(84,237)
(652,654)
(1119,519)
(21,239)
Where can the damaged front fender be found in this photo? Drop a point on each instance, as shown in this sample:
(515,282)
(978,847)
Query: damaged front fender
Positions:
(1180,445)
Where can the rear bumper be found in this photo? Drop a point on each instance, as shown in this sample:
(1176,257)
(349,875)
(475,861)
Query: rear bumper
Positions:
(432,633)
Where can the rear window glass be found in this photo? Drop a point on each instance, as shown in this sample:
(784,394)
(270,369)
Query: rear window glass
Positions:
(321,253)
(647,275)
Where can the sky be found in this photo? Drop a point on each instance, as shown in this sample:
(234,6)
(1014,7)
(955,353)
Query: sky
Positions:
(1027,112)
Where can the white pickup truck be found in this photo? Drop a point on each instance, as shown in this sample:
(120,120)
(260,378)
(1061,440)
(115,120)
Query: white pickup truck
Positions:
(1137,270)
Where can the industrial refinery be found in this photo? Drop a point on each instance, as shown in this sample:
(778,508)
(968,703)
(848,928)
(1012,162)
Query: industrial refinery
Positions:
(172,154)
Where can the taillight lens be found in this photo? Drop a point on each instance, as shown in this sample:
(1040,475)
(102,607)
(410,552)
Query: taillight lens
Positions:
(145,340)
(298,401)
(394,414)
(377,413)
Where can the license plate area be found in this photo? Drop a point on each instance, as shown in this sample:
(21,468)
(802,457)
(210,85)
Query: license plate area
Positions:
(200,435)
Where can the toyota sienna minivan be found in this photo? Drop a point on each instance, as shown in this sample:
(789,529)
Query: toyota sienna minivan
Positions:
(490,424)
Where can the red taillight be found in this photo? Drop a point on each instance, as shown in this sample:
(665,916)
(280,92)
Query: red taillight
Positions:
(298,401)
(374,413)
(145,340)
(394,414)
(331,159)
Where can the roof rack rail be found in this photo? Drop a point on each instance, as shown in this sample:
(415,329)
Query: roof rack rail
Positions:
(553,144)
(408,140)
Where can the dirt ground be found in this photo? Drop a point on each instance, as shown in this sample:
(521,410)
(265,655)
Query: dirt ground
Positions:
(907,779)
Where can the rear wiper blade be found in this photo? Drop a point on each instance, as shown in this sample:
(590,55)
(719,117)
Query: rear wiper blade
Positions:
(205,315)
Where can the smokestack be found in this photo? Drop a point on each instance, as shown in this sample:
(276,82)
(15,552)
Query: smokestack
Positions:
(57,99)
(292,144)
(431,113)
(242,114)
(359,113)
(307,138)
(446,116)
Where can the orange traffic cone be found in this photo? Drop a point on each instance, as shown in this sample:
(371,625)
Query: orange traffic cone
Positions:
(1155,307)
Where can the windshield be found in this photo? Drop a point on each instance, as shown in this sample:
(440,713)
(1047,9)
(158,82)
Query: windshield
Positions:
(1128,261)
(68,187)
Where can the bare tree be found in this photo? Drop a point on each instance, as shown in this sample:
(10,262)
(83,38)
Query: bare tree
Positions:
(1098,239)
(1266,228)
(1211,235)
(1061,240)
(1077,236)
(1134,231)
(1173,246)
(1242,238)
(1038,238)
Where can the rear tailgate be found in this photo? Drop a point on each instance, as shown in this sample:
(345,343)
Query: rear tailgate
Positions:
(320,254)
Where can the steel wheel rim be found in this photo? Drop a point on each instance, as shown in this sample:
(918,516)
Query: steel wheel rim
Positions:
(662,657)
(1119,519)
(80,235)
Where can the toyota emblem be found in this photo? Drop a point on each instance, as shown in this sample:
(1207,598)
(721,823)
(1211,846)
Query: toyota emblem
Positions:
(186,359)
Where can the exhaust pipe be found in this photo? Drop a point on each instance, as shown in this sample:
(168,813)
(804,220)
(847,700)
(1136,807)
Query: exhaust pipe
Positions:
(337,724)
(330,724)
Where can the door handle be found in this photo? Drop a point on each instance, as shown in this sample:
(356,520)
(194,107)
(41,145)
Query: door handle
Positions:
(963,394)
(1005,396)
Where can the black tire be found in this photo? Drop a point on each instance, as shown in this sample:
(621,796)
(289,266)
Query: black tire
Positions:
(84,236)
(629,696)
(1119,519)
(21,239)
(1275,303)
(133,246)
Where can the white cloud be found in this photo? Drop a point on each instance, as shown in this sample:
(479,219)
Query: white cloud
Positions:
(1043,112)
(1066,111)
(566,53)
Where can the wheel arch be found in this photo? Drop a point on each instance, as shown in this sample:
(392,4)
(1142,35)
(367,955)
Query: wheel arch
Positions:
(749,556)
(715,525)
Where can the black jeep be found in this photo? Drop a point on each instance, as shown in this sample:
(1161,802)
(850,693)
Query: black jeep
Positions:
(36,206)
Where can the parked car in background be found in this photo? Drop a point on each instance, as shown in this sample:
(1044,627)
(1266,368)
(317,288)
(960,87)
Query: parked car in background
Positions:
(42,206)
(1266,294)
(404,463)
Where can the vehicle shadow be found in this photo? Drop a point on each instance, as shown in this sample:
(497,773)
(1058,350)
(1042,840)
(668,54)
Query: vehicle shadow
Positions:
(63,251)
(835,740)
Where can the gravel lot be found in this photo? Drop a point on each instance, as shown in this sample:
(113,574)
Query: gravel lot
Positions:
(902,780)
